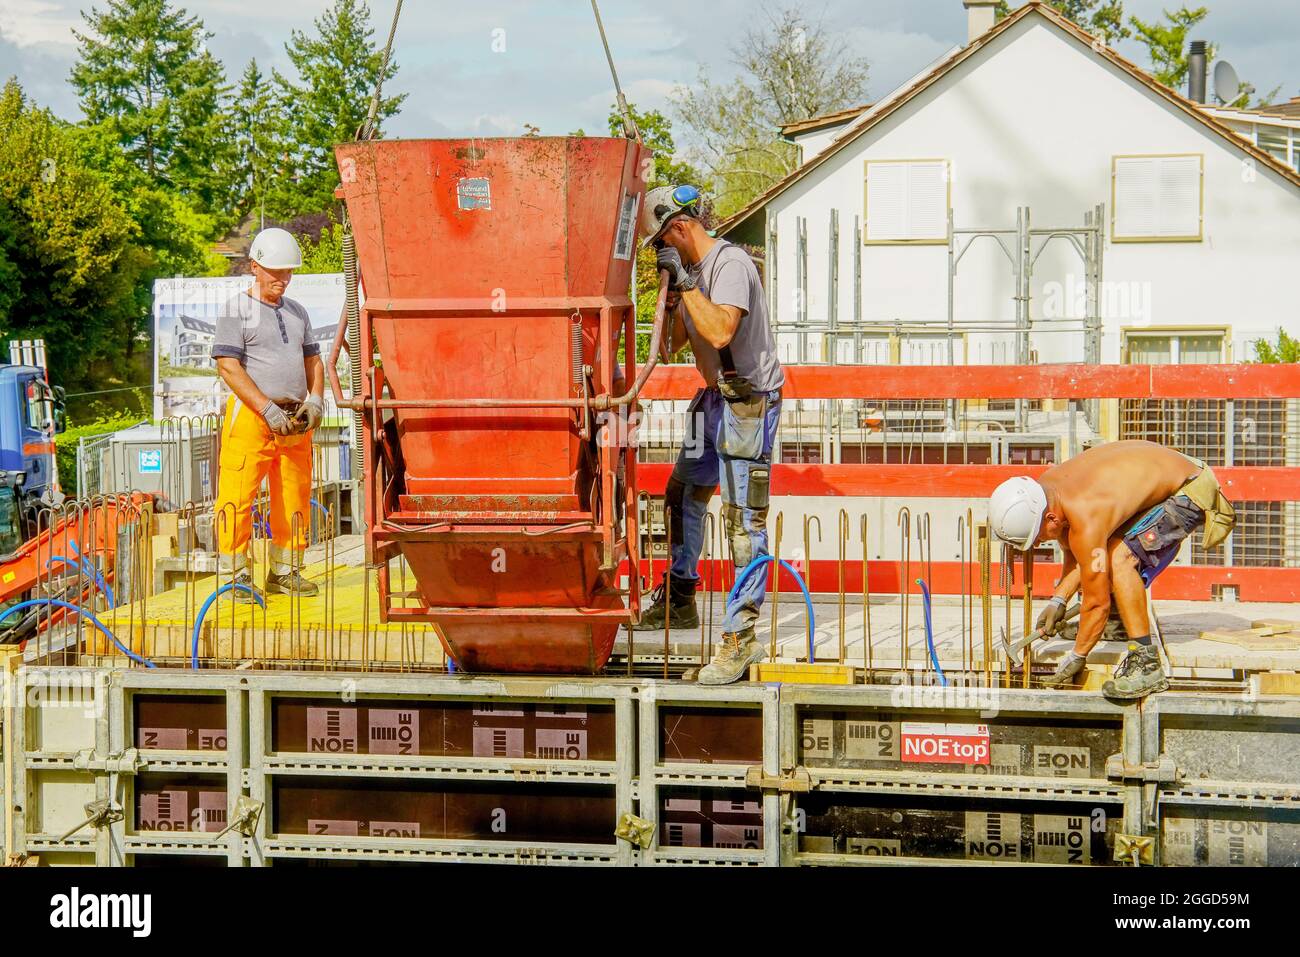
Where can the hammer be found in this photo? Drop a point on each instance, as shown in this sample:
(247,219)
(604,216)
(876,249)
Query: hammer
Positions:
(1015,649)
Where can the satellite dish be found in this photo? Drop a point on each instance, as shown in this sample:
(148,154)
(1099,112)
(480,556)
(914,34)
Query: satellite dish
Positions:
(1227,85)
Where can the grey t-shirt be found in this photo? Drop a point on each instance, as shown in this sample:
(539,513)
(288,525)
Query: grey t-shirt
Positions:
(270,342)
(728,277)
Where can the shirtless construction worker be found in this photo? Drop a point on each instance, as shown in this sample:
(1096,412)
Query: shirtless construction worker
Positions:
(719,308)
(265,355)
(1120,512)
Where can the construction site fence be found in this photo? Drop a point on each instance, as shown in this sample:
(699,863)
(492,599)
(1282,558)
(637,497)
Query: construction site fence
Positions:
(862,445)
(134,767)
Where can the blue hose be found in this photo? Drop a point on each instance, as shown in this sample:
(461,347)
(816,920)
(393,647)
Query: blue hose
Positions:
(807,598)
(203,613)
(84,614)
(91,572)
(929,634)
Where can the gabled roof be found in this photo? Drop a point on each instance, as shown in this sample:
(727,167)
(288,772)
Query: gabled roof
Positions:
(838,118)
(894,103)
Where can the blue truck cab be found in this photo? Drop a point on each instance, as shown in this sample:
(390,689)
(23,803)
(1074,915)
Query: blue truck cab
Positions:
(31,414)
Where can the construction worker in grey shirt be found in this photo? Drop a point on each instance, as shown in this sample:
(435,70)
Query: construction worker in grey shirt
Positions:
(720,309)
(265,355)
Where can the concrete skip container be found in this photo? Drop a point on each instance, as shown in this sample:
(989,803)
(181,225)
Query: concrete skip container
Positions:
(497,462)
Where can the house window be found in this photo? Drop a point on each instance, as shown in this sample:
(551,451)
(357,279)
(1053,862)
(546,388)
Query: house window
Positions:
(1157,198)
(1175,348)
(907,201)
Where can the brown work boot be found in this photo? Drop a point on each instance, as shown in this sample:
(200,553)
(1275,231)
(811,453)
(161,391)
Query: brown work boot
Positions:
(290,584)
(738,652)
(244,592)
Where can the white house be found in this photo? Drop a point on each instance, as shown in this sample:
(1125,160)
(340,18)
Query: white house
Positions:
(1196,224)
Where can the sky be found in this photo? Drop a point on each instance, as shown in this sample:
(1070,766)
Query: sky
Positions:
(488,67)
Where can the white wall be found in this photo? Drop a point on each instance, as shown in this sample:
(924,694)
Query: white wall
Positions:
(1035,121)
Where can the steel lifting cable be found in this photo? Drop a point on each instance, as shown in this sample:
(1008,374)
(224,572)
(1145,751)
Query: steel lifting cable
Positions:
(629,124)
(368,131)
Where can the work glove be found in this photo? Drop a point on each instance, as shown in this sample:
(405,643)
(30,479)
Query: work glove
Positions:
(1067,672)
(310,413)
(1050,616)
(670,260)
(276,420)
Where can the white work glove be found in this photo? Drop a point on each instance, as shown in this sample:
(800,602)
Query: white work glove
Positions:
(311,412)
(276,420)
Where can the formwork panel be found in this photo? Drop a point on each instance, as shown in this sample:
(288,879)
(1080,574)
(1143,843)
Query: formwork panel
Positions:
(961,830)
(1229,837)
(179,722)
(437,810)
(172,803)
(56,801)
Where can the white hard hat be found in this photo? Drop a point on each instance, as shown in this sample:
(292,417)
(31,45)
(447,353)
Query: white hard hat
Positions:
(1016,510)
(276,249)
(663,203)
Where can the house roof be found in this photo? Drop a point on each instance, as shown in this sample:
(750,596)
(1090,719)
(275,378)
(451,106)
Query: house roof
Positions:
(838,118)
(1289,110)
(891,105)
(197,325)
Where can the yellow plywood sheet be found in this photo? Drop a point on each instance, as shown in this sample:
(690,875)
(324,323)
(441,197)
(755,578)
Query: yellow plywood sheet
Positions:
(1256,639)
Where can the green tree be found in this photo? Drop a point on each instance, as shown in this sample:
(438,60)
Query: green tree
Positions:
(1285,349)
(657,133)
(791,69)
(1166,43)
(337,70)
(145,74)
(1102,18)
(323,252)
(71,265)
(1169,52)
(261,165)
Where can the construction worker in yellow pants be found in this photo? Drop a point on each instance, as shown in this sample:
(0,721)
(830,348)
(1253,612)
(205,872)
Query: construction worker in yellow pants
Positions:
(264,352)
(250,454)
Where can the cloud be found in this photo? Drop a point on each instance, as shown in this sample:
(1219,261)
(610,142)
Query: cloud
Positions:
(30,22)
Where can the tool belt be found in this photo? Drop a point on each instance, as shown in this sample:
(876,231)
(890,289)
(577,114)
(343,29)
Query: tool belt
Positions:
(1204,492)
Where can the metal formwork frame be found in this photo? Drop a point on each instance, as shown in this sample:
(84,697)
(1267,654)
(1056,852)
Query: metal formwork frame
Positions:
(657,774)
(1178,753)
(264,765)
(796,699)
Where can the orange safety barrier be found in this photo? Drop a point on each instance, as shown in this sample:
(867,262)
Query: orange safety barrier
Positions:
(1177,382)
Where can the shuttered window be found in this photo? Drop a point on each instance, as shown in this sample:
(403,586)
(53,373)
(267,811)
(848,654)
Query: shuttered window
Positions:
(906,201)
(1157,198)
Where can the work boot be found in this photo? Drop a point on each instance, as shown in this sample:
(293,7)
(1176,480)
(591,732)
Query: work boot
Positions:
(738,652)
(246,595)
(1138,675)
(679,607)
(1066,674)
(290,584)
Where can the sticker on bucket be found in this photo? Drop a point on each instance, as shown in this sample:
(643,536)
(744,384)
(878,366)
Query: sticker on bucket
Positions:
(474,193)
(945,743)
(626,235)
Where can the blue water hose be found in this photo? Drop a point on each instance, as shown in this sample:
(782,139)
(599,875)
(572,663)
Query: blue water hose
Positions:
(84,614)
(807,598)
(203,613)
(91,572)
(90,569)
(929,633)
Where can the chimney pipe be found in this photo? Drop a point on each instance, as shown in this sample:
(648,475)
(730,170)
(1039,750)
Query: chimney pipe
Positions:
(980,17)
(1197,65)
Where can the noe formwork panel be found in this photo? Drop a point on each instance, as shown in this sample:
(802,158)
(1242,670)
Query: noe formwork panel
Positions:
(408,768)
(419,768)
(74,769)
(1237,801)
(698,745)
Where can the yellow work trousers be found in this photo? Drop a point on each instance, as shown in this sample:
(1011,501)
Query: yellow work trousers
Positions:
(250,454)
